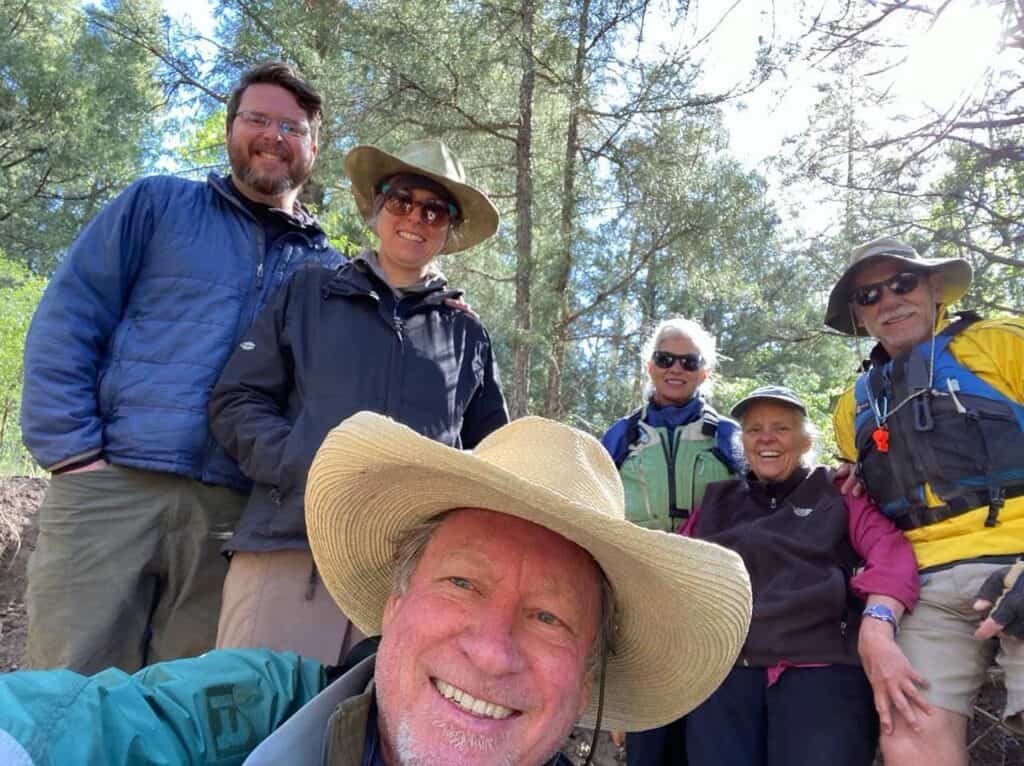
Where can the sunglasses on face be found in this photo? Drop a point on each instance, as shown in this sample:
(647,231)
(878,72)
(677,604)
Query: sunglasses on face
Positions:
(287,128)
(900,284)
(433,212)
(665,359)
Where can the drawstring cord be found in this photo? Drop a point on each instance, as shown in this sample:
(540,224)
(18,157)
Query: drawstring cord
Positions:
(311,584)
(600,707)
(881,411)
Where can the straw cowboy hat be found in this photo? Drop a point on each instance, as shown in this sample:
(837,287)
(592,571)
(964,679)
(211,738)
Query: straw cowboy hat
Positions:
(683,606)
(367,167)
(956,278)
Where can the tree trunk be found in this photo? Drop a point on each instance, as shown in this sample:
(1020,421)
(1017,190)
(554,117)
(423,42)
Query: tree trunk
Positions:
(522,342)
(553,395)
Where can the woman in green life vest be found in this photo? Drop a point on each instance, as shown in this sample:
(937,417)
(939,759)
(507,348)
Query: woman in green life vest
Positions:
(667,452)
(674,445)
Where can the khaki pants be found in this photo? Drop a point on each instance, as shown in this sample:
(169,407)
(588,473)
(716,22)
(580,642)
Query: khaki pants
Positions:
(127,569)
(275,600)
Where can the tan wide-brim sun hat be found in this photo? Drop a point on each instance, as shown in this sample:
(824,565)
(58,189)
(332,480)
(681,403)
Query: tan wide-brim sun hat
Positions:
(956,278)
(367,167)
(683,606)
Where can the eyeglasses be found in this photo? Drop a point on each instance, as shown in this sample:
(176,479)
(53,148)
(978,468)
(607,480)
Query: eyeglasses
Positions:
(433,212)
(665,359)
(260,121)
(900,284)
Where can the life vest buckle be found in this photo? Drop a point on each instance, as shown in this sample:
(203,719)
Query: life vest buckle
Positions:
(996,501)
(923,421)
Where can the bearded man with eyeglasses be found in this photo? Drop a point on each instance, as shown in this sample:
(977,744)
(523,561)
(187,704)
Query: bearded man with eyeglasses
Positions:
(935,426)
(120,359)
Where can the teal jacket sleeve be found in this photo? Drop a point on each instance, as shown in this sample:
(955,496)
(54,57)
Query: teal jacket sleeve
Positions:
(210,710)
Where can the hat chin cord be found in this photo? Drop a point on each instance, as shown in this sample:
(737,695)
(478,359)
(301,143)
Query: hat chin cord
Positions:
(600,708)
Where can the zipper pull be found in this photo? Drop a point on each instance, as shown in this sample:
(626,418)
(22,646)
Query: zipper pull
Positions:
(399,325)
(259,274)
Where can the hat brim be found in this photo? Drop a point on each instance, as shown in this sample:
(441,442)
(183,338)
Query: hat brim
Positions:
(683,606)
(366,166)
(956,278)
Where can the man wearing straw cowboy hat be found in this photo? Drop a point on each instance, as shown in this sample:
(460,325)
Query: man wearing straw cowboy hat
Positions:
(935,425)
(512,598)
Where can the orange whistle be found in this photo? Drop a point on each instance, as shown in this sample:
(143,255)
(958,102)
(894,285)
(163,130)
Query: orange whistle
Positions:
(881,438)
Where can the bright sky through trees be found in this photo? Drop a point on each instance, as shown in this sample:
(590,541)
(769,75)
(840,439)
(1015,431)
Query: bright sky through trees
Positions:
(942,63)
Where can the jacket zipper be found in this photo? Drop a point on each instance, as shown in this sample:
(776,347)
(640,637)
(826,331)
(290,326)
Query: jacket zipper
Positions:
(670,468)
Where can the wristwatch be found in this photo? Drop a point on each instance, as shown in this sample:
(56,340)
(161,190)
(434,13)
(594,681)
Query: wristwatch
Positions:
(883,613)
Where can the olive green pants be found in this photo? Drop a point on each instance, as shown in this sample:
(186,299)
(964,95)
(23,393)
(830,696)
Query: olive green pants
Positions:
(127,570)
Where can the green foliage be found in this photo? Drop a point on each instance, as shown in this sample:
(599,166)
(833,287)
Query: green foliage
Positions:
(20,291)
(76,104)
(204,148)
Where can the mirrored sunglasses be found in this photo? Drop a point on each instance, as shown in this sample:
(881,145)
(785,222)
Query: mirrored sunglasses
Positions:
(900,284)
(665,359)
(433,212)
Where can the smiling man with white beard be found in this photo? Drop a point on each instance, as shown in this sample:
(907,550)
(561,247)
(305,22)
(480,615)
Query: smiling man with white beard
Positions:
(935,425)
(512,597)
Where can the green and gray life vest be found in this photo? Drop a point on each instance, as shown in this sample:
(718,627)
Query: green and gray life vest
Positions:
(665,480)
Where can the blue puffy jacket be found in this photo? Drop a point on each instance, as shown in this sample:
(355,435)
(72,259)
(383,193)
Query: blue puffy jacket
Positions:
(138,321)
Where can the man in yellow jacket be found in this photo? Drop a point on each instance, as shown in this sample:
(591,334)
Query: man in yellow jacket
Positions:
(935,424)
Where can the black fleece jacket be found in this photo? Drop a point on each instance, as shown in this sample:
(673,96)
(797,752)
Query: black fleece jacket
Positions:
(331,344)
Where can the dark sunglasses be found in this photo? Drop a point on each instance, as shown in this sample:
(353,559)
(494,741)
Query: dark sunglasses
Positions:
(665,360)
(433,212)
(900,284)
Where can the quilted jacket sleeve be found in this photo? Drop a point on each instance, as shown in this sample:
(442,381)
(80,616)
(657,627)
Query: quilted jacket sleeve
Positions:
(72,327)
(208,710)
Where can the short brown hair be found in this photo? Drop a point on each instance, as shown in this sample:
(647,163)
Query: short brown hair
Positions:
(285,76)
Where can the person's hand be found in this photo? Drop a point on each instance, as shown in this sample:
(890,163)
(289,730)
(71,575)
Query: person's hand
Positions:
(894,682)
(95,465)
(460,305)
(619,738)
(1003,593)
(851,484)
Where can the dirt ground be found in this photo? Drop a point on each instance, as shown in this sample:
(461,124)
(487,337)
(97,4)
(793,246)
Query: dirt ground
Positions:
(19,499)
(990,744)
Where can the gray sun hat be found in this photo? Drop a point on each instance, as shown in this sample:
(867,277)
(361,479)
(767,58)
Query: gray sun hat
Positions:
(775,393)
(956,277)
(367,167)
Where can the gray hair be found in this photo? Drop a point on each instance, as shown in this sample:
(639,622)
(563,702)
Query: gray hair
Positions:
(680,327)
(810,457)
(412,542)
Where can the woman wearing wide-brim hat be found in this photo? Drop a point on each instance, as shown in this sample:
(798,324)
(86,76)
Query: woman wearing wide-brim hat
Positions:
(382,333)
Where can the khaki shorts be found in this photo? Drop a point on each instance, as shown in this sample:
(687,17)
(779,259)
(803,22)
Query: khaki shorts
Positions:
(938,639)
(275,600)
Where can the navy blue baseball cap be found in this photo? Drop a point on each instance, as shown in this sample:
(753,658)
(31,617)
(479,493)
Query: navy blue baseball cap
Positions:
(775,393)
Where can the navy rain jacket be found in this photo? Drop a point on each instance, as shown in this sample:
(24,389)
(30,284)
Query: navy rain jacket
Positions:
(139,319)
(332,344)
